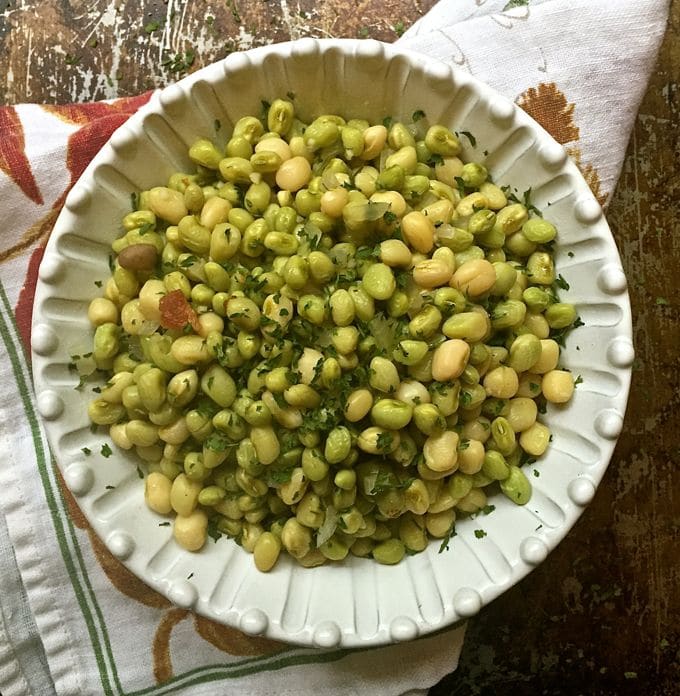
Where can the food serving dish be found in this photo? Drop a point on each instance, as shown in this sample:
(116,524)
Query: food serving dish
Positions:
(357,603)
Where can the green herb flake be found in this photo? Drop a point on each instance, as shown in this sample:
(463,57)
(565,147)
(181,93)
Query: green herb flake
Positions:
(661,301)
(86,451)
(537,473)
(561,283)
(180,62)
(387,122)
(191,575)
(113,488)
(461,186)
(418,115)
(630,675)
(234,11)
(488,509)
(578,380)
(480,533)
(71,59)
(515,3)
(570,254)
(399,28)
(164,524)
(98,283)
(140,473)
(470,137)
(106,450)
(444,546)
(217,124)
(152,26)
(213,532)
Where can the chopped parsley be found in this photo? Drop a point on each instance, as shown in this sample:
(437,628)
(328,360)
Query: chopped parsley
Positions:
(213,532)
(661,301)
(417,115)
(106,450)
(140,473)
(470,137)
(164,524)
(480,533)
(444,546)
(561,282)
(86,451)
(152,26)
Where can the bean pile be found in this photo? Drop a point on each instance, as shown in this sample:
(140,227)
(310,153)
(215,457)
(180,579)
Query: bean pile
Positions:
(330,338)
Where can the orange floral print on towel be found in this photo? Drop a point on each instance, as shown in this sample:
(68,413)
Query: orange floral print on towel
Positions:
(549,106)
(13,160)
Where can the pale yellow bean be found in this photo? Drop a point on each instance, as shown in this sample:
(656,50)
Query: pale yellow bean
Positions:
(474,277)
(530,385)
(176,433)
(266,551)
(432,273)
(558,386)
(358,404)
(440,212)
(413,392)
(333,202)
(394,253)
(449,359)
(119,436)
(439,524)
(441,451)
(375,138)
(190,350)
(167,204)
(209,322)
(293,174)
(501,382)
(150,296)
(184,495)
(190,531)
(393,198)
(535,440)
(470,456)
(418,231)
(276,145)
(214,211)
(157,493)
(471,203)
(550,354)
(102,311)
(522,413)
(307,364)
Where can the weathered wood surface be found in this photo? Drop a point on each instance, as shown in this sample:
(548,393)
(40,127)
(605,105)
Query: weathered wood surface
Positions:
(601,615)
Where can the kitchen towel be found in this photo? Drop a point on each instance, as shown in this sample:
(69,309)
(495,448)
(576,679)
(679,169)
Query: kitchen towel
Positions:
(73,620)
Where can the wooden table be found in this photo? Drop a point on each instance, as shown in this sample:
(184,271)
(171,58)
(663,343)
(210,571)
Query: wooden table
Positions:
(601,615)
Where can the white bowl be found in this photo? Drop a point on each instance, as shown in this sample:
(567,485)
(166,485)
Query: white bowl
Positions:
(359,602)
